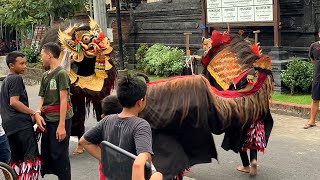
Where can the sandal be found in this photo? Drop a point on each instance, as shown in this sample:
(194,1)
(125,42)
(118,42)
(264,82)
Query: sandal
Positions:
(307,126)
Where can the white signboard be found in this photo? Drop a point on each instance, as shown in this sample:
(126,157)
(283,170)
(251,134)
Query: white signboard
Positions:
(236,3)
(245,14)
(214,4)
(263,13)
(229,14)
(221,11)
(214,15)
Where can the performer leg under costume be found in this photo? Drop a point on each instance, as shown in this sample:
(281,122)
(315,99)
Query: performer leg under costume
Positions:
(236,68)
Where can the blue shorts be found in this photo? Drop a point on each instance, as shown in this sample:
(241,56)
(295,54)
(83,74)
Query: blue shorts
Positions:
(5,152)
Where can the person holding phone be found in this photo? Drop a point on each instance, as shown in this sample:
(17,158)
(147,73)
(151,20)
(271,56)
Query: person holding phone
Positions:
(125,130)
(138,169)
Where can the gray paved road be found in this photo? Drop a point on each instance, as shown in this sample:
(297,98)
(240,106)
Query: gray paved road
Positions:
(293,153)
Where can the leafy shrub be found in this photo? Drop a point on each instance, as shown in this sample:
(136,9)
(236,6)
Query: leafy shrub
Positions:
(298,75)
(140,55)
(32,53)
(163,60)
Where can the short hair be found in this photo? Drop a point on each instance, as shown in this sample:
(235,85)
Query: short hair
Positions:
(53,48)
(12,57)
(130,90)
(111,105)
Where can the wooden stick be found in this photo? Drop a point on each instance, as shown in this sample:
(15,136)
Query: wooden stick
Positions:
(256,35)
(187,43)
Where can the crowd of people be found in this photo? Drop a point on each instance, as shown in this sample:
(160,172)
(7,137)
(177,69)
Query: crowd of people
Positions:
(53,117)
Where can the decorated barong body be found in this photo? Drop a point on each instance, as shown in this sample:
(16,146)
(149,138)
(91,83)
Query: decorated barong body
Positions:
(242,81)
(86,56)
(183,111)
(232,98)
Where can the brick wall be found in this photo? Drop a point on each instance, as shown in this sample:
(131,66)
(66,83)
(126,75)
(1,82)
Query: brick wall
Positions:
(125,22)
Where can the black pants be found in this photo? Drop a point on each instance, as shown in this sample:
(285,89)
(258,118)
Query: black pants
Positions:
(23,145)
(55,154)
(245,159)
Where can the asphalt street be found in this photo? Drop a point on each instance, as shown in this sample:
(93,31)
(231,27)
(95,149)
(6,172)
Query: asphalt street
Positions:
(292,153)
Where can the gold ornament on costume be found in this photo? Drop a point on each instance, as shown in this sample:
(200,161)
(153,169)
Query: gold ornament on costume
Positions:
(90,44)
(206,44)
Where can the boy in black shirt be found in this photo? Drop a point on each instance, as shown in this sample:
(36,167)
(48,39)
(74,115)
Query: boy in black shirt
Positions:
(17,119)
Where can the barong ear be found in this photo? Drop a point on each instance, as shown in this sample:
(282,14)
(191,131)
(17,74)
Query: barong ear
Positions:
(69,44)
(94,25)
(66,41)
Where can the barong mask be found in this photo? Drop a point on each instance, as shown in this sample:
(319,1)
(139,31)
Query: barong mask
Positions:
(86,43)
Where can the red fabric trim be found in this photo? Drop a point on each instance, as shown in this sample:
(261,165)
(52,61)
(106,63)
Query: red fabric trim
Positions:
(219,38)
(234,94)
(53,108)
(165,80)
(237,79)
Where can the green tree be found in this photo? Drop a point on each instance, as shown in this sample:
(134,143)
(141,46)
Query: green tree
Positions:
(22,14)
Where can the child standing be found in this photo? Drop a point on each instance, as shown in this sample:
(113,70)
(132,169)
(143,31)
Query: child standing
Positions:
(17,119)
(54,114)
(110,105)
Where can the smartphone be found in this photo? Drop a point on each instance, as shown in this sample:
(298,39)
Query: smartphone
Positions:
(117,162)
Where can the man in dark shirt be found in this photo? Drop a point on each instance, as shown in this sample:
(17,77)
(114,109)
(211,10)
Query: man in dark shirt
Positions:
(314,54)
(17,119)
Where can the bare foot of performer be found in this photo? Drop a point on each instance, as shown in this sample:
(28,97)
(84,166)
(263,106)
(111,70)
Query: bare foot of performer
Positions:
(253,168)
(245,169)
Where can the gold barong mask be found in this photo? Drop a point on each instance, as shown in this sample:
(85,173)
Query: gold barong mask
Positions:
(78,44)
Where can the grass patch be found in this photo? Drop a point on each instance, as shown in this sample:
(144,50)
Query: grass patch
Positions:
(298,99)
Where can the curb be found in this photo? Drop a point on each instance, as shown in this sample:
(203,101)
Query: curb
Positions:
(292,109)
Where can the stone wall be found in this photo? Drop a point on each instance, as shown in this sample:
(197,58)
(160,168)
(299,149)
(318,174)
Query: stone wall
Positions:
(165,22)
(31,76)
